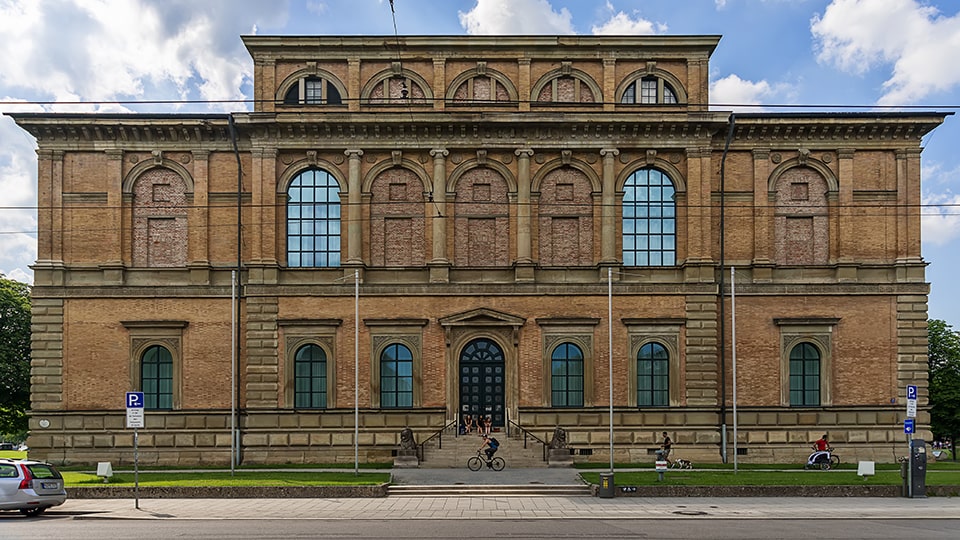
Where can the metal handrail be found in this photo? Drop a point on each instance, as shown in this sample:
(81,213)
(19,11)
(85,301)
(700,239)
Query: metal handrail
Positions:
(526,434)
(436,435)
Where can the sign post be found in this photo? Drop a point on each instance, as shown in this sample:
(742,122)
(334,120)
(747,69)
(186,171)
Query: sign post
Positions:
(908,428)
(135,421)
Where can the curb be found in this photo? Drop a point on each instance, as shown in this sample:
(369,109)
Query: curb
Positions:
(251,492)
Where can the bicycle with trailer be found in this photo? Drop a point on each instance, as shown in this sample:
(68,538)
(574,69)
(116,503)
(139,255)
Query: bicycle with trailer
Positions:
(823,460)
(477,462)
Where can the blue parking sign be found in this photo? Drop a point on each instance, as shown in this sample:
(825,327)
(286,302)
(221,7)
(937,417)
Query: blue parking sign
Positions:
(912,391)
(908,426)
(134,400)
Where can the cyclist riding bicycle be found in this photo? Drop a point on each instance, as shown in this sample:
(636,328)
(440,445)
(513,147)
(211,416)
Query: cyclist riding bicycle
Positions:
(492,445)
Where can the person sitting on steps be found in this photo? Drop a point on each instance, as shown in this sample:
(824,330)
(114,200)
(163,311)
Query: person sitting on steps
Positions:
(467,423)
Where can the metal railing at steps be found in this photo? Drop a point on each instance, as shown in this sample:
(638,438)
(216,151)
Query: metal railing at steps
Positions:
(529,435)
(438,435)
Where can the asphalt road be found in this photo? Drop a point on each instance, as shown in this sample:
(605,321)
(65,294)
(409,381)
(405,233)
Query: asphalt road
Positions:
(62,527)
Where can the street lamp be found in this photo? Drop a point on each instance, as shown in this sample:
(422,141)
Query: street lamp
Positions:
(610,353)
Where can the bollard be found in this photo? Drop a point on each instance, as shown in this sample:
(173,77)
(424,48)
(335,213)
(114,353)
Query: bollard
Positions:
(661,467)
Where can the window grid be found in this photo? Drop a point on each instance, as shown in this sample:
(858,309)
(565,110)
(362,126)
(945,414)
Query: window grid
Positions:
(313,91)
(648,91)
(804,376)
(310,378)
(156,378)
(313,221)
(567,376)
(653,376)
(396,377)
(649,220)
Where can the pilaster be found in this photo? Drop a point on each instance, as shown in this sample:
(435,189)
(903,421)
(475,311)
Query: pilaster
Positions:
(608,201)
(354,202)
(440,264)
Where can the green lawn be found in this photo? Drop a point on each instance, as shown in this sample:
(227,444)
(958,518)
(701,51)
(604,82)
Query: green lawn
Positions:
(15,454)
(747,477)
(224,479)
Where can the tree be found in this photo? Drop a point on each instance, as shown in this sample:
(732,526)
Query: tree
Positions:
(944,358)
(14,357)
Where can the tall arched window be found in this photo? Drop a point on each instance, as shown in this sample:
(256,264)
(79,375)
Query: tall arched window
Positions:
(310,378)
(567,376)
(313,220)
(804,375)
(156,378)
(649,220)
(653,376)
(396,377)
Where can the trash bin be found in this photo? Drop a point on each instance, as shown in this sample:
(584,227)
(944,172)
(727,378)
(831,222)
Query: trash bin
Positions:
(606,486)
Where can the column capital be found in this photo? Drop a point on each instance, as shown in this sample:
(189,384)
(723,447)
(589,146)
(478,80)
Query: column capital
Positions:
(612,152)
(353,153)
(439,153)
(200,155)
(845,153)
(760,154)
(523,152)
(114,154)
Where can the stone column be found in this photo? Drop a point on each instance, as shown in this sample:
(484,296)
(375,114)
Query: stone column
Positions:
(523,84)
(255,228)
(762,216)
(440,206)
(439,84)
(354,230)
(608,201)
(353,84)
(113,257)
(524,248)
(609,84)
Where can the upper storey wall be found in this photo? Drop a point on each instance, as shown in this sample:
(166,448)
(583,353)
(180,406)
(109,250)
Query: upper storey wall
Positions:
(505,73)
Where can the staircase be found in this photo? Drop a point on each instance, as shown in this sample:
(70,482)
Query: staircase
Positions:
(457,450)
(490,491)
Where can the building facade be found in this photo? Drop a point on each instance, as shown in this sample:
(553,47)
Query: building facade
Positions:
(404,231)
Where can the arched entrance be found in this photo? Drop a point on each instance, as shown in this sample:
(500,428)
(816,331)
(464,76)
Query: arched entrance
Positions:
(482,381)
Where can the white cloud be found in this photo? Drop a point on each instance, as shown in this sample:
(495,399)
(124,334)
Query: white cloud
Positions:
(919,42)
(103,50)
(621,24)
(512,17)
(732,90)
(18,215)
(940,215)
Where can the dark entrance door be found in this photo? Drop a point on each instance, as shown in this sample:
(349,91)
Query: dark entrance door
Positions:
(482,381)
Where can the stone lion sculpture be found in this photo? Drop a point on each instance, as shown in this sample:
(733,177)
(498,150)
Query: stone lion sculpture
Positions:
(559,439)
(407,441)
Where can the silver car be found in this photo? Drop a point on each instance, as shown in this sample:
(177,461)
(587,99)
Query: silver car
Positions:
(30,486)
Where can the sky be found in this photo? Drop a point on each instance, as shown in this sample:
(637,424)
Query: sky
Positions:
(108,55)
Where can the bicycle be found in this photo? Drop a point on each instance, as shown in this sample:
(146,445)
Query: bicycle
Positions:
(477,461)
(823,460)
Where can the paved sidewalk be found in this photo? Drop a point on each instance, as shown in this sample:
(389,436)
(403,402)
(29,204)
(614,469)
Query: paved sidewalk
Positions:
(514,507)
(406,508)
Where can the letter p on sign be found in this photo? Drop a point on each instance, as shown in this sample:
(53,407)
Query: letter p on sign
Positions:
(134,400)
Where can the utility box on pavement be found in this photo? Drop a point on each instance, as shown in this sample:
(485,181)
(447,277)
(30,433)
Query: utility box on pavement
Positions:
(918,468)
(606,486)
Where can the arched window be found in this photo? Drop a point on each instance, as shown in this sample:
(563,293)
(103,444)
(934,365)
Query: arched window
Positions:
(649,90)
(649,220)
(312,90)
(313,220)
(396,377)
(156,378)
(653,376)
(567,376)
(310,378)
(804,375)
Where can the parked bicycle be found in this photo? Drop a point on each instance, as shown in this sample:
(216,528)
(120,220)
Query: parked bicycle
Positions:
(477,461)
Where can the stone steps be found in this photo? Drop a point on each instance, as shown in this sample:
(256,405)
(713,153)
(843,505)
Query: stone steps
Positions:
(460,490)
(456,450)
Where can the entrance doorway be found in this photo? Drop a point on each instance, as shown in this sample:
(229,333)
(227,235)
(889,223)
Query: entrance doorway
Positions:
(482,381)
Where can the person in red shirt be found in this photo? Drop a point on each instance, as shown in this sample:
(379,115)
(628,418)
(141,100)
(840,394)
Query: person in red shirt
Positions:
(821,444)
